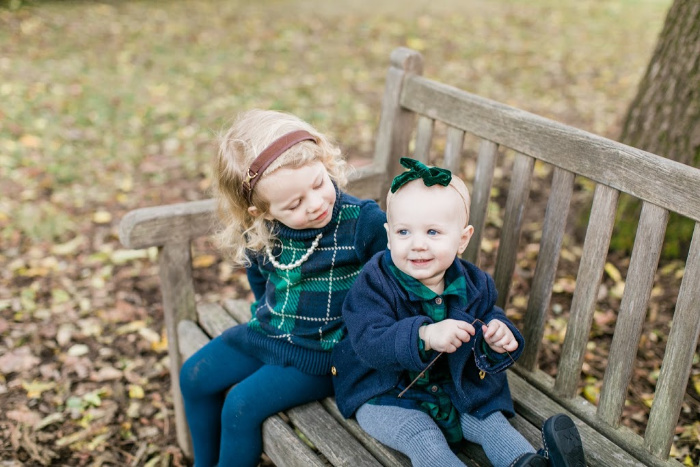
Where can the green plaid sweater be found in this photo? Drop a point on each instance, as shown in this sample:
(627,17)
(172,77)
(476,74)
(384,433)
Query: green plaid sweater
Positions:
(297,313)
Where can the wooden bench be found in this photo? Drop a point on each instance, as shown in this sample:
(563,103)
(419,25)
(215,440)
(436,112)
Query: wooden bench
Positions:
(412,105)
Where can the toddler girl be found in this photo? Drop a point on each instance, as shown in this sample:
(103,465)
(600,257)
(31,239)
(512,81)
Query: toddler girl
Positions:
(423,364)
(303,242)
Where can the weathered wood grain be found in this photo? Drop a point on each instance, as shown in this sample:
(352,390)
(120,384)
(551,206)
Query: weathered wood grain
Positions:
(396,122)
(285,448)
(660,181)
(590,272)
(546,268)
(385,455)
(481,193)
(213,318)
(454,143)
(238,309)
(678,358)
(518,196)
(633,309)
(177,288)
(424,138)
(339,446)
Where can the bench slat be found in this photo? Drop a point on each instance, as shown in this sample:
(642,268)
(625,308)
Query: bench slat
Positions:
(395,122)
(239,309)
(177,289)
(633,309)
(547,262)
(330,437)
(660,181)
(192,338)
(590,273)
(678,358)
(518,196)
(481,193)
(424,138)
(284,447)
(453,150)
(532,406)
(213,318)
(384,454)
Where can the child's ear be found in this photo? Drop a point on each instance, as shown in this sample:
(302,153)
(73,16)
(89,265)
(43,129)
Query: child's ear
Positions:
(467,233)
(388,237)
(255,212)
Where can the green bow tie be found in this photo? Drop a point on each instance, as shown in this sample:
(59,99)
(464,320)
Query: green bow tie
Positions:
(430,175)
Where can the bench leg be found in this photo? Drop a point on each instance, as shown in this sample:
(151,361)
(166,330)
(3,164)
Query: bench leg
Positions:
(175,265)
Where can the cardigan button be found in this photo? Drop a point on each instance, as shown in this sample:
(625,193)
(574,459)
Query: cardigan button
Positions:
(434,388)
(438,300)
(334,371)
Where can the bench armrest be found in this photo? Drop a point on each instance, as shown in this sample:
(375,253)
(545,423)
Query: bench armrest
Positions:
(159,225)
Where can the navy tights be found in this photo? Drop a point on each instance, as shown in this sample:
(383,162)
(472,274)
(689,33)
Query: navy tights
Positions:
(226,427)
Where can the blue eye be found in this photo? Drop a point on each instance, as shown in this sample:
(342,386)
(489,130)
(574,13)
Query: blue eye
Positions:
(402,232)
(432,232)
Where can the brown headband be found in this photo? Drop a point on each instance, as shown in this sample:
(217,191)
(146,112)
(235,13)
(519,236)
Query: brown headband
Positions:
(268,156)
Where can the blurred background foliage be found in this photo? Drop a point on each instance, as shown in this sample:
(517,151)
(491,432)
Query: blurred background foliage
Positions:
(101,97)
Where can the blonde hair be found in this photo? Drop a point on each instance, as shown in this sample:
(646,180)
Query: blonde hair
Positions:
(250,134)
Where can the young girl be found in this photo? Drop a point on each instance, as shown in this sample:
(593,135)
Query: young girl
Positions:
(423,364)
(303,242)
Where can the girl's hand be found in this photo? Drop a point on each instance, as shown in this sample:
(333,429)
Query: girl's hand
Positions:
(447,335)
(499,337)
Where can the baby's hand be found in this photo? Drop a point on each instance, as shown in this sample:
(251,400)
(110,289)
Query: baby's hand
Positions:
(499,337)
(447,335)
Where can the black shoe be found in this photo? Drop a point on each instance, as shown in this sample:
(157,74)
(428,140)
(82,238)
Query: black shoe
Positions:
(562,442)
(531,460)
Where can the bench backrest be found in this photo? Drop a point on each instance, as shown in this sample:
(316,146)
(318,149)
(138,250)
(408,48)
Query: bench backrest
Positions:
(663,186)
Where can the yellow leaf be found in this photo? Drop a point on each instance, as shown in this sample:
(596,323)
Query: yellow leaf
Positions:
(134,326)
(136,391)
(591,393)
(696,382)
(161,345)
(35,388)
(102,217)
(203,261)
(30,141)
(415,43)
(69,247)
(613,272)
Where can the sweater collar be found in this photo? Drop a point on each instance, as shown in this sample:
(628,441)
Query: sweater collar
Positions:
(282,231)
(455,283)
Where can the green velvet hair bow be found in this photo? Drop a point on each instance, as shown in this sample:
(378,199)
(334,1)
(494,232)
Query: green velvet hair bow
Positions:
(430,175)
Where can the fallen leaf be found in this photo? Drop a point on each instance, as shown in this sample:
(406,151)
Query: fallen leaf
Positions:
(203,261)
(102,217)
(68,248)
(78,350)
(35,388)
(18,360)
(613,272)
(25,417)
(136,391)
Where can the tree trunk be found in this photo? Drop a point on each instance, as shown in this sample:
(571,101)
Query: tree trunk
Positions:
(664,117)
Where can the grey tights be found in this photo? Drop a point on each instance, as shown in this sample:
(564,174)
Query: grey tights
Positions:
(416,434)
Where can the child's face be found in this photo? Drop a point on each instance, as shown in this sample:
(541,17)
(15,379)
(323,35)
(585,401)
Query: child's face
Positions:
(427,228)
(300,198)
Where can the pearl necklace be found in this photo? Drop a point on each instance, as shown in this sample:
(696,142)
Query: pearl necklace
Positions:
(297,263)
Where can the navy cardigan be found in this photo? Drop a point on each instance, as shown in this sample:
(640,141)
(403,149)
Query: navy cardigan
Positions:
(382,322)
